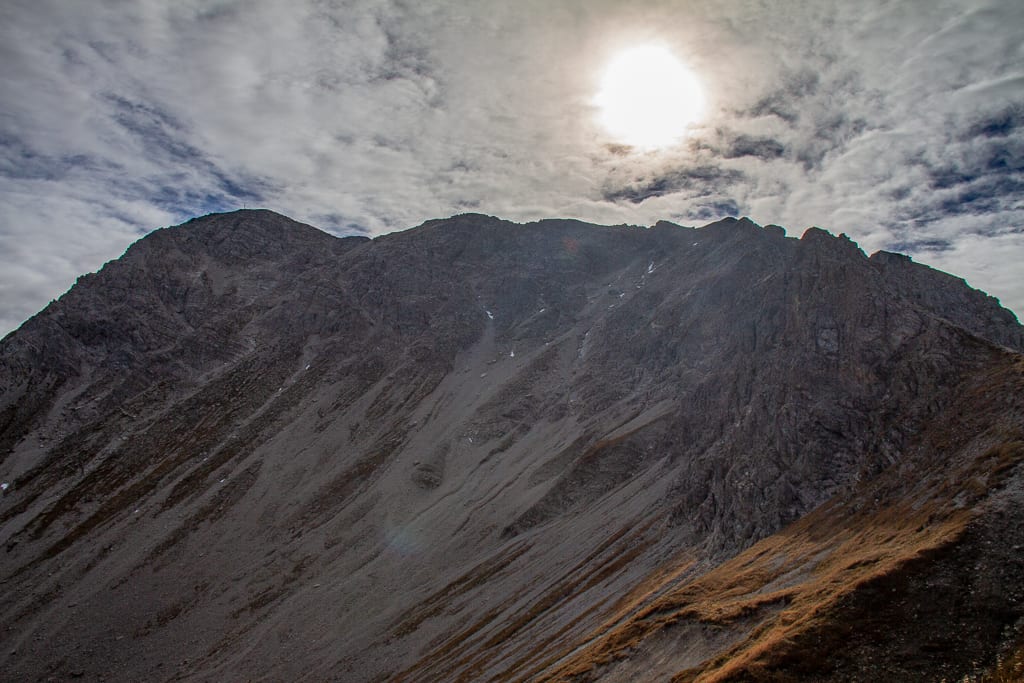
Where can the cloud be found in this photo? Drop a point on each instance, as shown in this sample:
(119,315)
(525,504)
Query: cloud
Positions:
(696,181)
(764,148)
(998,124)
(899,124)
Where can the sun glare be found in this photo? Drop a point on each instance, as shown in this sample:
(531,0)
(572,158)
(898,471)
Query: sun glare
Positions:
(648,98)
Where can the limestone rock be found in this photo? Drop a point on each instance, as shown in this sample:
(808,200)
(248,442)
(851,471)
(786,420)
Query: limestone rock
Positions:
(480,449)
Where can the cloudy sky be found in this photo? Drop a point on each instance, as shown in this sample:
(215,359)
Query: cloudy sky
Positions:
(899,123)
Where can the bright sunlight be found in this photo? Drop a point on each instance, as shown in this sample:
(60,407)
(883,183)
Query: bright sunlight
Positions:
(648,98)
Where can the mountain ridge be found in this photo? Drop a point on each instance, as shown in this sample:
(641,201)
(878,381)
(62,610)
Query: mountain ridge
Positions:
(505,429)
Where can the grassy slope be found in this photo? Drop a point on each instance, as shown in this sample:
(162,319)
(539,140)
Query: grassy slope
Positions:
(796,596)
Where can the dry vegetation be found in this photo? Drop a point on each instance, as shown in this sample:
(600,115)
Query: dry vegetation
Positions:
(466,654)
(789,585)
(1009,669)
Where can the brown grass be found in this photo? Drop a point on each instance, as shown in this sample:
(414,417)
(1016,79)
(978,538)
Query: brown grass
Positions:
(788,584)
(1008,669)
(857,552)
(782,571)
(466,654)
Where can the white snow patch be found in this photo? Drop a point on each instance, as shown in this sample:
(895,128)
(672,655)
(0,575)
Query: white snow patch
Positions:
(582,352)
(4,486)
(222,481)
(650,267)
(489,315)
(696,243)
(307,366)
(542,310)
(511,354)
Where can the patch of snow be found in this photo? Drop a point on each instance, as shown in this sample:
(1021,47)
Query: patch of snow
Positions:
(307,366)
(483,374)
(4,486)
(222,481)
(489,315)
(542,310)
(650,267)
(471,439)
(511,354)
(696,243)
(582,351)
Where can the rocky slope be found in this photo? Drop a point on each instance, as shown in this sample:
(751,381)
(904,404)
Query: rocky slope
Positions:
(476,450)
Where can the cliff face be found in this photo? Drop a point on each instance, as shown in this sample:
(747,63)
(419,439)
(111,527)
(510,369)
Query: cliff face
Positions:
(478,450)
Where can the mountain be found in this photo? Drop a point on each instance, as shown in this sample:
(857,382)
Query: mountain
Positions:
(483,451)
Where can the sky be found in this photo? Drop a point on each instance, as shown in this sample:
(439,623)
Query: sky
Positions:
(898,123)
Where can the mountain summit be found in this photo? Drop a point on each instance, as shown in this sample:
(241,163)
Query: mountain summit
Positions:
(479,450)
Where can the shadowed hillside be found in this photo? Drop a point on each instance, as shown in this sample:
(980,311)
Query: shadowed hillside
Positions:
(478,450)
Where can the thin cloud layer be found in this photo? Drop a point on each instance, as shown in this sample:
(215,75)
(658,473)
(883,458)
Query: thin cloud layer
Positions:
(901,124)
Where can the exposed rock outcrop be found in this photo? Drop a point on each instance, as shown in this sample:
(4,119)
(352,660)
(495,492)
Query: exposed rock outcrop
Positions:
(477,450)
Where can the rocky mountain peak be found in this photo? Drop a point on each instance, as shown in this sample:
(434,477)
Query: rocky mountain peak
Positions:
(483,450)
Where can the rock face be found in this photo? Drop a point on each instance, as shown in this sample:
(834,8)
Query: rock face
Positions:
(477,450)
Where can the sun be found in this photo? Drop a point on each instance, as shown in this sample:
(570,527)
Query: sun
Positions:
(648,98)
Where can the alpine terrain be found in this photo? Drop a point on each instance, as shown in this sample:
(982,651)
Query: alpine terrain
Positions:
(476,450)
